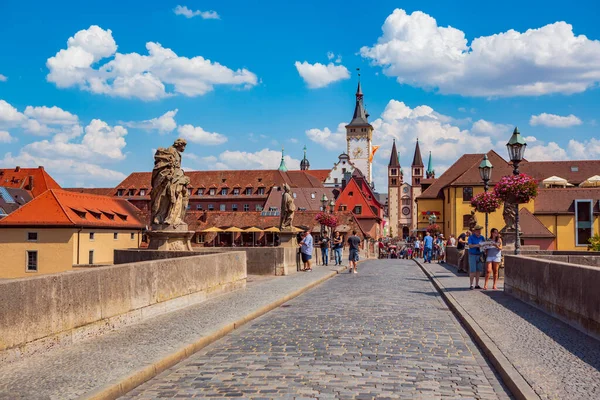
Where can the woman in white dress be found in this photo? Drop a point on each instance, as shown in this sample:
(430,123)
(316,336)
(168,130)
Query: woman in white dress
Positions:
(493,257)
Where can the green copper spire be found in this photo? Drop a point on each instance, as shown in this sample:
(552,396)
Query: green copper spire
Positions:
(282,166)
(430,171)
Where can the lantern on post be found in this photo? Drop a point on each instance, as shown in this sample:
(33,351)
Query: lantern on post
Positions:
(516,151)
(485,172)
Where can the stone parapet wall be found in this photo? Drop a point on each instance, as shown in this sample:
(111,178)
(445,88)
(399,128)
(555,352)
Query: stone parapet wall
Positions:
(260,260)
(45,311)
(566,291)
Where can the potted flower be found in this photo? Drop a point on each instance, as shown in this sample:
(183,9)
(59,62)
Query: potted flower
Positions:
(434,228)
(486,202)
(326,219)
(516,188)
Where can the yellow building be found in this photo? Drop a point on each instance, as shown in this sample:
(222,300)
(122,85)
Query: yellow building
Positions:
(59,230)
(560,218)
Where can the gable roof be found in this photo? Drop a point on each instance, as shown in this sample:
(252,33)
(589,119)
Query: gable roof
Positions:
(471,176)
(351,196)
(60,208)
(320,174)
(457,169)
(34,180)
(308,199)
(11,199)
(531,226)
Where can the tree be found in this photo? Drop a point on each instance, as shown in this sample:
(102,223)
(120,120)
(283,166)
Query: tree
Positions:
(594,243)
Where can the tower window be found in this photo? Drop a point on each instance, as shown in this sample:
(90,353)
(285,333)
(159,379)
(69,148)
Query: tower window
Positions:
(394,181)
(394,171)
(417,171)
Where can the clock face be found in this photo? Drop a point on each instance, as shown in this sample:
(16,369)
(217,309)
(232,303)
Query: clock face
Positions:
(357,152)
(405,210)
(405,190)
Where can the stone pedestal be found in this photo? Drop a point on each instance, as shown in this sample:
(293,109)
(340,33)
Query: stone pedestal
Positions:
(508,238)
(288,239)
(170,238)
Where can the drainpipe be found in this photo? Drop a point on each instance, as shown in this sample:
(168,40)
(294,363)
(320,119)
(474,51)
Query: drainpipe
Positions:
(78,241)
(556,230)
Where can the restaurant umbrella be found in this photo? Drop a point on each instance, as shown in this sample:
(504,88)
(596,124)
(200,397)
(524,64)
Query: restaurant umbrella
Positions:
(273,230)
(233,231)
(214,229)
(591,182)
(253,229)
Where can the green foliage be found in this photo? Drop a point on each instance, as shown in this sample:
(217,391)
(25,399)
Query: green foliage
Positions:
(594,243)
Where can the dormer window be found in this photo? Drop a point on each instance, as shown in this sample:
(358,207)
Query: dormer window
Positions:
(236,191)
(261,190)
(200,192)
(131,192)
(142,192)
(212,191)
(248,191)
(120,192)
(224,192)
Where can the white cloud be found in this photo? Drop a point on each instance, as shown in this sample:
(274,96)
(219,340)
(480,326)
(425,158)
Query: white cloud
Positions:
(196,134)
(492,129)
(6,138)
(135,75)
(319,75)
(3,78)
(549,152)
(554,121)
(65,170)
(186,12)
(9,116)
(329,140)
(551,59)
(262,159)
(51,115)
(163,124)
(330,55)
(586,150)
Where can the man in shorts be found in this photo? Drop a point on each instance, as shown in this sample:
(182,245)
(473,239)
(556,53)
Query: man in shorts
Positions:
(354,244)
(475,263)
(306,249)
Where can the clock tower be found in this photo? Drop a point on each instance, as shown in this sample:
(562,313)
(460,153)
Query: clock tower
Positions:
(359,134)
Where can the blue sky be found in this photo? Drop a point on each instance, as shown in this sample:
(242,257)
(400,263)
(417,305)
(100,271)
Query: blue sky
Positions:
(459,89)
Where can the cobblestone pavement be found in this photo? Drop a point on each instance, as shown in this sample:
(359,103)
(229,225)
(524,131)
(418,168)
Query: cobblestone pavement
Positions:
(382,333)
(72,371)
(558,361)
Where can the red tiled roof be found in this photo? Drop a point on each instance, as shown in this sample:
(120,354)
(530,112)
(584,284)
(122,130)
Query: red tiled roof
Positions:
(320,174)
(21,178)
(308,199)
(472,177)
(97,191)
(457,169)
(228,179)
(574,172)
(532,227)
(562,200)
(61,208)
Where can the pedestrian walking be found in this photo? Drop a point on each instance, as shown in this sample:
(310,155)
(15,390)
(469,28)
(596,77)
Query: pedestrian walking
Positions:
(338,244)
(452,241)
(354,244)
(417,247)
(475,262)
(462,254)
(493,258)
(427,247)
(441,249)
(325,248)
(306,249)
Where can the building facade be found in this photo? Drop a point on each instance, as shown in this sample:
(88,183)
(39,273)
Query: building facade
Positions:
(59,230)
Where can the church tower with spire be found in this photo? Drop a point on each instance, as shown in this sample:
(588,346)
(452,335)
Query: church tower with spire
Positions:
(304,164)
(430,171)
(359,134)
(282,166)
(394,183)
(417,168)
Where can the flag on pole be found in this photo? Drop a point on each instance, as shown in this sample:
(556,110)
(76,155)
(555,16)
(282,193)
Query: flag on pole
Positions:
(373,151)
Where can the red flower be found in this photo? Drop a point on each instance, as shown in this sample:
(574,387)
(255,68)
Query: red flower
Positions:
(486,202)
(516,188)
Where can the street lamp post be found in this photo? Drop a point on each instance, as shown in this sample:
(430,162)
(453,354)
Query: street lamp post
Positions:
(324,201)
(516,149)
(485,172)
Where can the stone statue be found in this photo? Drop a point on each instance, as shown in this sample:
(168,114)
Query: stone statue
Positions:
(169,196)
(509,214)
(287,209)
(472,221)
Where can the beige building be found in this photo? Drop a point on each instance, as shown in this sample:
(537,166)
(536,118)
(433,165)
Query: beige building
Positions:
(59,230)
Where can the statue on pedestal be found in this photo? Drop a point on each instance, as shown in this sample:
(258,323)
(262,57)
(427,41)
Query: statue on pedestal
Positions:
(287,209)
(169,196)
(509,214)
(169,200)
(472,221)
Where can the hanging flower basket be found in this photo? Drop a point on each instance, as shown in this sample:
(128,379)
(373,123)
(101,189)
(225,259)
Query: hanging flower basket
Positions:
(326,219)
(434,228)
(516,189)
(486,202)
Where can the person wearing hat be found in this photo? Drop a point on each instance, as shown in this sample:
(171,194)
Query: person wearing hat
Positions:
(475,263)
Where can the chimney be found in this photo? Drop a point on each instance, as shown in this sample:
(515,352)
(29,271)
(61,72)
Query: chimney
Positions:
(17,169)
(30,184)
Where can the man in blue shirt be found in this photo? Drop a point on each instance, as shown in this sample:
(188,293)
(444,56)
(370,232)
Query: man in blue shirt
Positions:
(306,249)
(475,264)
(427,247)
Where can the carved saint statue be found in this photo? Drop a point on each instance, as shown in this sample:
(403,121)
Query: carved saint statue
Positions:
(287,209)
(169,196)
(509,214)
(472,221)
